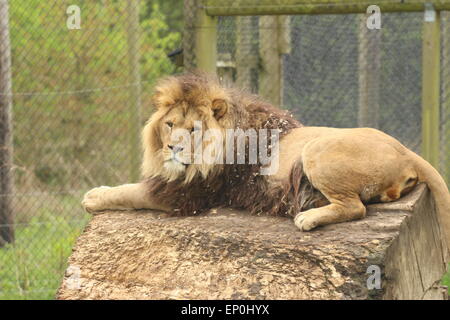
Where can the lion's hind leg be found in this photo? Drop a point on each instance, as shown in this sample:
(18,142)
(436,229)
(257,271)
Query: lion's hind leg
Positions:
(337,211)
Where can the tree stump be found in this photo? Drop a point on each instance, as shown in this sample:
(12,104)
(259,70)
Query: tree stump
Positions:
(229,254)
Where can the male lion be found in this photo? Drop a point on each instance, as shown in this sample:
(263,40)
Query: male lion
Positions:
(326,175)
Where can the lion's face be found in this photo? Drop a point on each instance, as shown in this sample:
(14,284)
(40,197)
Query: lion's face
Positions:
(173,137)
(181,133)
(177,156)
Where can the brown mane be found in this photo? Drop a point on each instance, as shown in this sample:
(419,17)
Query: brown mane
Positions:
(238,186)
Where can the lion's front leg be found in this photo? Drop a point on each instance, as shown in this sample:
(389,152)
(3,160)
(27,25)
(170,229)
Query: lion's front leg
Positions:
(124,197)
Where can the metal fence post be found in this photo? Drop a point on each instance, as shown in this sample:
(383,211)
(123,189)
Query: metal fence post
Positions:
(246,54)
(6,180)
(273,43)
(369,62)
(199,38)
(135,88)
(205,40)
(445,116)
(431,85)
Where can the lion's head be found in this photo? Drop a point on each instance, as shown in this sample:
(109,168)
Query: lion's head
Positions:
(184,104)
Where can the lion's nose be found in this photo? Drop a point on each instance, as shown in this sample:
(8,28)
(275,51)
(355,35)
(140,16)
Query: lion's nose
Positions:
(175,149)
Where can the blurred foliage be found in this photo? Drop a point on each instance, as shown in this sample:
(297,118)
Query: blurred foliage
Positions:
(158,41)
(72,115)
(172,10)
(72,106)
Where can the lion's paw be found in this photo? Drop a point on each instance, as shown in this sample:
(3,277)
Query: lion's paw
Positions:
(306,221)
(94,199)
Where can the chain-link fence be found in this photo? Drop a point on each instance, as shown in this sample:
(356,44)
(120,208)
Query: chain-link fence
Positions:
(334,71)
(81,89)
(82,73)
(445,97)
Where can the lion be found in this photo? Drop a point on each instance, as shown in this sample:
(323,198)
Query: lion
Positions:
(327,175)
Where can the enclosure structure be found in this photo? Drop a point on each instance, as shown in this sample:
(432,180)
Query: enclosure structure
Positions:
(76,79)
(274,35)
(6,185)
(80,96)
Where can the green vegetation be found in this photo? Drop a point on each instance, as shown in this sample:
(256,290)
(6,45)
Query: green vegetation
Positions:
(72,109)
(71,119)
(33,267)
(446,279)
(74,131)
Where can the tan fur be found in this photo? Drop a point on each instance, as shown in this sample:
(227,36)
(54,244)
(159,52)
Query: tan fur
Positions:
(350,166)
(172,105)
(345,168)
(125,197)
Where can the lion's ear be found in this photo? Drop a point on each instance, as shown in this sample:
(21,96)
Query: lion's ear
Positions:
(161,100)
(156,100)
(219,108)
(167,92)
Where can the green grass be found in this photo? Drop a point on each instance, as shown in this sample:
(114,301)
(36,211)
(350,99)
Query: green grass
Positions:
(446,279)
(33,267)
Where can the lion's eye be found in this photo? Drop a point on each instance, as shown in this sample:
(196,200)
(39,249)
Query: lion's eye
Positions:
(169,124)
(194,129)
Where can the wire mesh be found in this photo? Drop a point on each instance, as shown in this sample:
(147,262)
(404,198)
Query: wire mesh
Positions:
(445,96)
(79,98)
(336,72)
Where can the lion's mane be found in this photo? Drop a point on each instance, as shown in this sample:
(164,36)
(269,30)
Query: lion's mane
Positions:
(231,185)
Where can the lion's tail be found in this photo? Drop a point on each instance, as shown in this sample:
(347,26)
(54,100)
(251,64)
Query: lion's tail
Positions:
(428,174)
